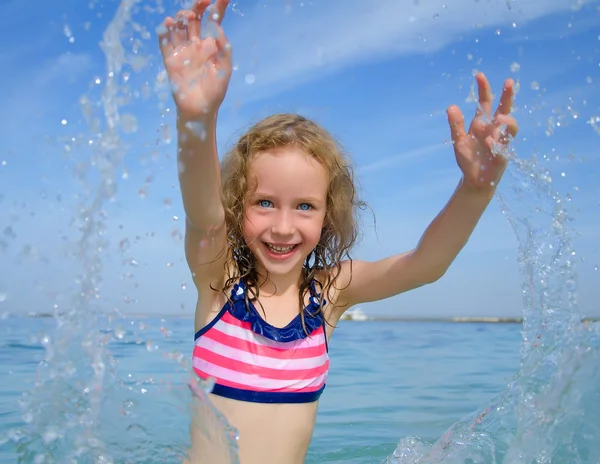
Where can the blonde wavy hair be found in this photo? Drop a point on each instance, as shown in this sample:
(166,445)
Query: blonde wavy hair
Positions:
(340,229)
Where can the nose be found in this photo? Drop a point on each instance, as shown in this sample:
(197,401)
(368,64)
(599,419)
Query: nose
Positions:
(283,224)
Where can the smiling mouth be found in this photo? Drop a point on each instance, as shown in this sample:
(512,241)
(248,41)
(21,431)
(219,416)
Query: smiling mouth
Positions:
(280,250)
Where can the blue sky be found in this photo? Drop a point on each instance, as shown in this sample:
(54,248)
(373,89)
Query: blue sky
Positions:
(378,75)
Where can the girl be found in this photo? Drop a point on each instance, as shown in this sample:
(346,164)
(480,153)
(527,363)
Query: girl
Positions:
(268,239)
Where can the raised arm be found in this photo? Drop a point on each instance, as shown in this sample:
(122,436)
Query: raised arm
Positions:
(480,158)
(199,70)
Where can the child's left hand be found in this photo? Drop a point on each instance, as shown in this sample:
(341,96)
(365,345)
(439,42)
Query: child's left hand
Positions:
(477,152)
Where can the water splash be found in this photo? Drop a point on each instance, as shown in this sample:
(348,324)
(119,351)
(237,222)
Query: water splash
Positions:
(548,413)
(81,409)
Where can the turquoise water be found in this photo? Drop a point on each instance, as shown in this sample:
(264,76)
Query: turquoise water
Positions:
(388,380)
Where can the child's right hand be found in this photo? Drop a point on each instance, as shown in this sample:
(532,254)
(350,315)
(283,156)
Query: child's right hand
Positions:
(199,69)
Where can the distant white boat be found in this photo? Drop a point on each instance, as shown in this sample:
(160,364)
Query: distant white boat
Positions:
(355,314)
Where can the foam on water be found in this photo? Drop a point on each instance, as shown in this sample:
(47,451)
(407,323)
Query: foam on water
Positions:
(82,410)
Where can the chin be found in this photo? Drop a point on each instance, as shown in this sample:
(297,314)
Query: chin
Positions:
(282,267)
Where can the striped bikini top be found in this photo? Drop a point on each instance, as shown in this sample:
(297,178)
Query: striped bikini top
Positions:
(251,360)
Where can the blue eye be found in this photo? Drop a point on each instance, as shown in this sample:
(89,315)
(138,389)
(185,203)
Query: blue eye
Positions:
(265,203)
(304,206)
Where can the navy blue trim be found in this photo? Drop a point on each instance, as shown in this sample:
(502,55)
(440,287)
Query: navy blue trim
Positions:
(266,397)
(216,319)
(313,318)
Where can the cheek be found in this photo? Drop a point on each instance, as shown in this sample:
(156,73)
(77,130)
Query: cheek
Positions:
(250,226)
(316,229)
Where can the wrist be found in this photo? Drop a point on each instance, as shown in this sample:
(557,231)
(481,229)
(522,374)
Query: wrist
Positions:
(468,188)
(206,117)
(197,126)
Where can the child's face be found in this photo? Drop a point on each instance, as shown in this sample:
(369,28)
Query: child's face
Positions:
(285,208)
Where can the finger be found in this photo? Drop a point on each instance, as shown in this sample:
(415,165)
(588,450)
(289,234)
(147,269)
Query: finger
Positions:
(164,37)
(223,48)
(179,33)
(219,11)
(506,100)
(456,122)
(485,96)
(199,8)
(194,24)
(497,155)
(512,127)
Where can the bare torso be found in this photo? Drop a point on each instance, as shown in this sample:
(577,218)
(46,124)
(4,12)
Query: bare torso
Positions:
(268,433)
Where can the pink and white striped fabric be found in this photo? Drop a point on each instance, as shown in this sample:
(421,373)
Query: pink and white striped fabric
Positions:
(250,360)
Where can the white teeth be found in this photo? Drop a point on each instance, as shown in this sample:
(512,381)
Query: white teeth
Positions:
(277,249)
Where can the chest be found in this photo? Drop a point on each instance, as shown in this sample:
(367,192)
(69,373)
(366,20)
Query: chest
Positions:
(279,311)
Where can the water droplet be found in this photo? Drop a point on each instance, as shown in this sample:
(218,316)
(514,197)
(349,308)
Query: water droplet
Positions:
(3,297)
(436,16)
(64,122)
(250,79)
(49,435)
(129,123)
(175,218)
(596,267)
(198,128)
(119,332)
(124,244)
(183,285)
(589,79)
(515,67)
(166,133)
(535,85)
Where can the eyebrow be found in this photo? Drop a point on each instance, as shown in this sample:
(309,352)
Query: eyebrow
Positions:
(300,199)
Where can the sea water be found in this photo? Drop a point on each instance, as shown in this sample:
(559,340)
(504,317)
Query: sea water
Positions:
(95,386)
(377,368)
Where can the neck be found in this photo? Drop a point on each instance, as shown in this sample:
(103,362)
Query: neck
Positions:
(280,284)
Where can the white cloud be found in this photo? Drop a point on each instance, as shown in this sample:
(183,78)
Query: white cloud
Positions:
(291,48)
(35,98)
(399,159)
(67,67)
